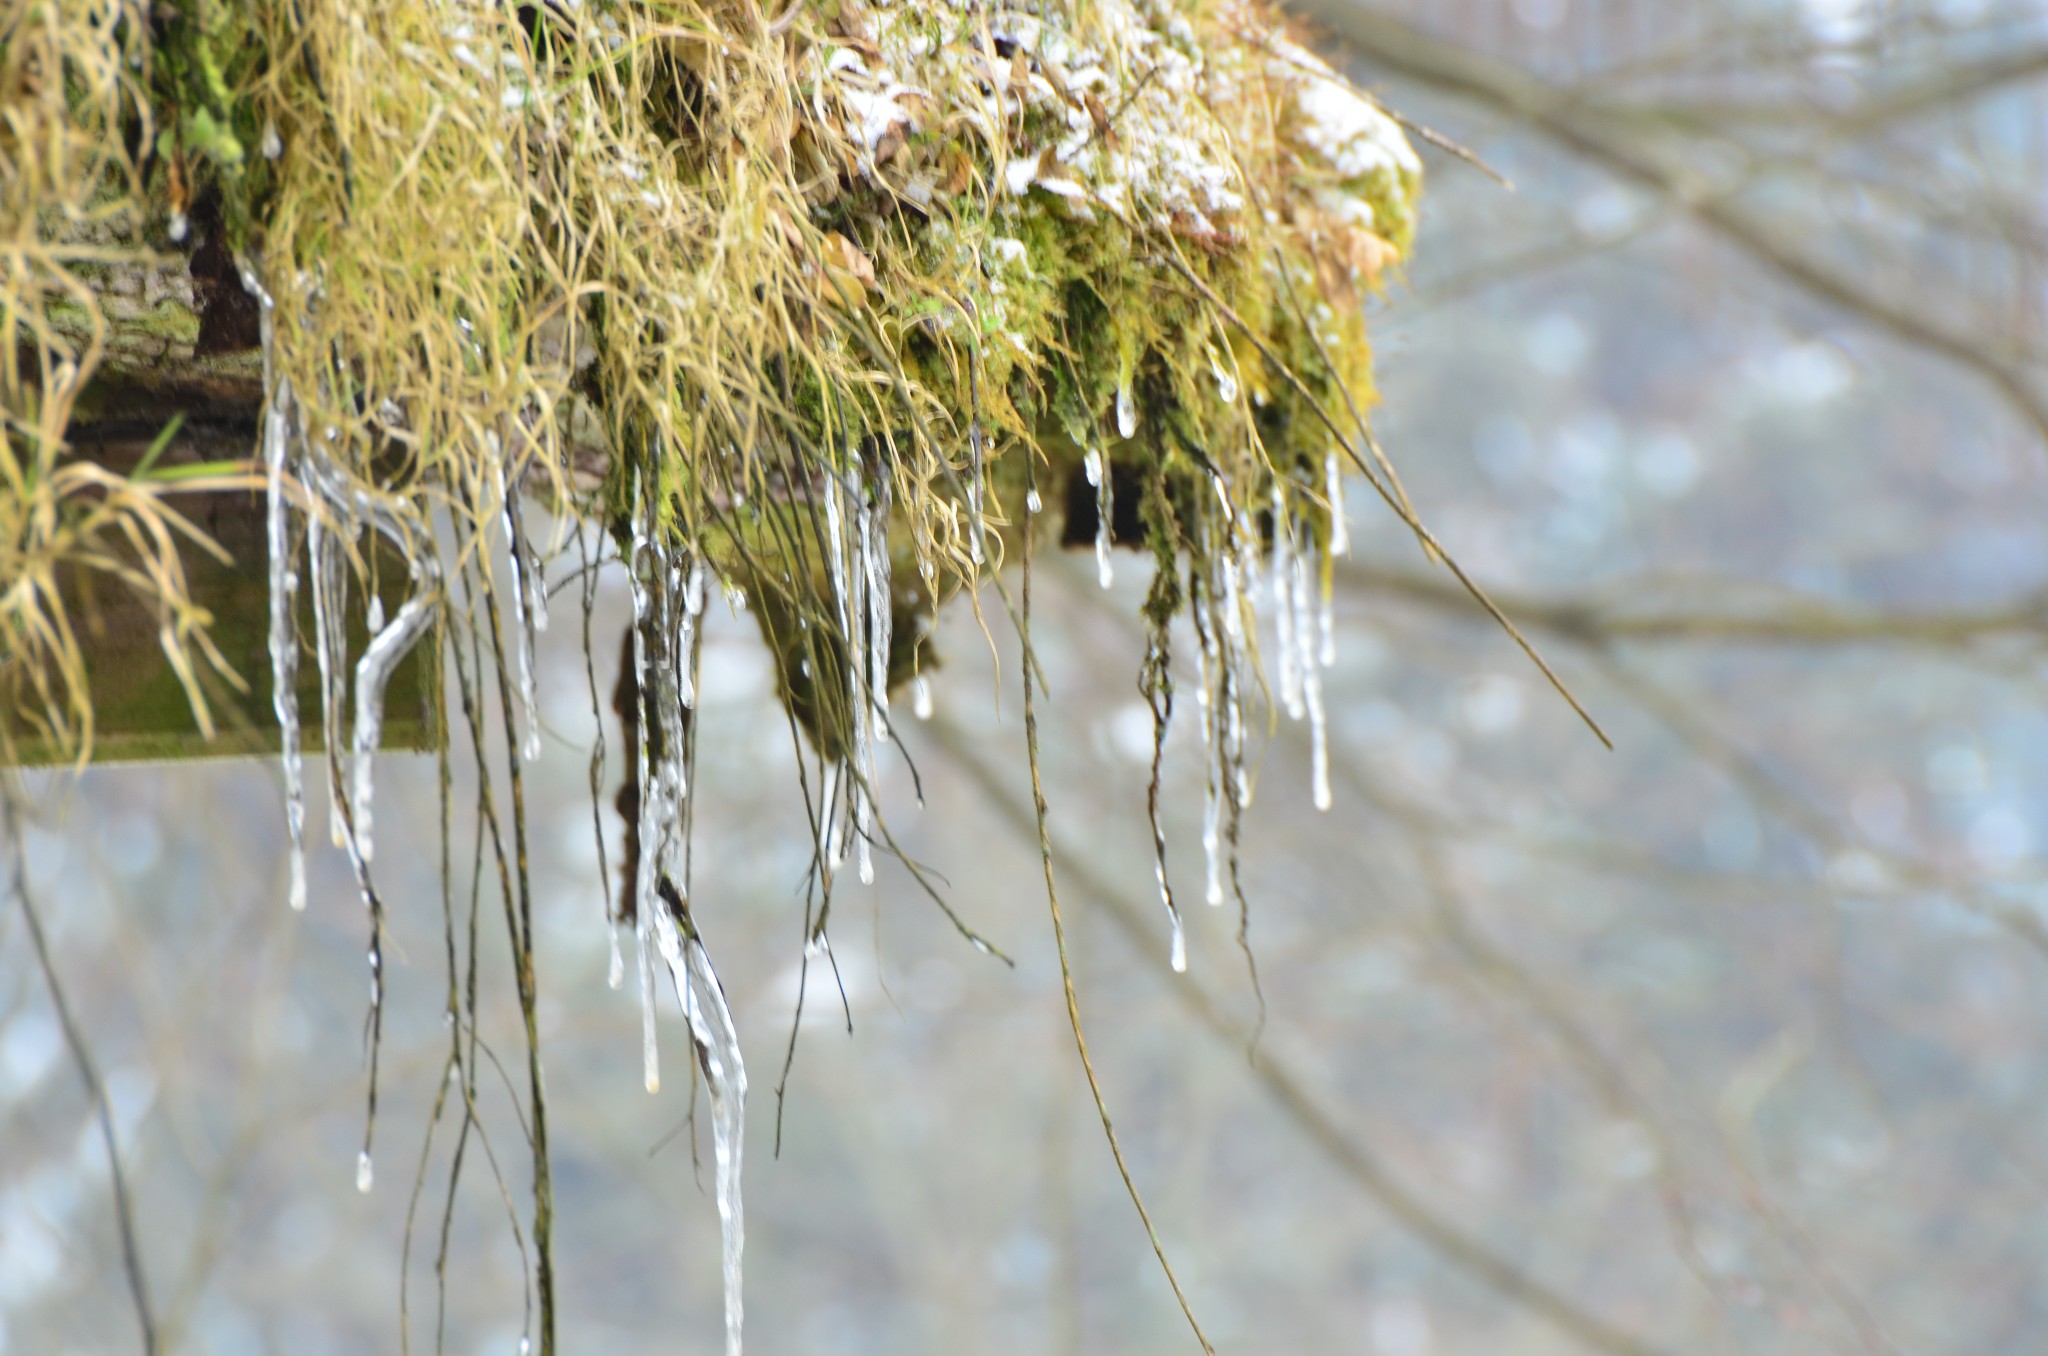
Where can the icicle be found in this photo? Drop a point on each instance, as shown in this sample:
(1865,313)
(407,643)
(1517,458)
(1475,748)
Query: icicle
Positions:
(921,697)
(1179,951)
(537,595)
(373,674)
(330,592)
(1340,527)
(526,584)
(284,589)
(725,1072)
(1032,503)
(848,585)
(615,973)
(1283,606)
(1099,477)
(1319,735)
(645,562)
(835,552)
(366,1175)
(1126,410)
(863,838)
(874,549)
(694,587)
(686,648)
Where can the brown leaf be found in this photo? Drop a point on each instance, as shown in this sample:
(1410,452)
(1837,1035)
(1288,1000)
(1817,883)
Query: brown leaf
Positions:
(849,274)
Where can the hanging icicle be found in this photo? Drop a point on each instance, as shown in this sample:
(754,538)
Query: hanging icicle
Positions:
(284,587)
(1105,511)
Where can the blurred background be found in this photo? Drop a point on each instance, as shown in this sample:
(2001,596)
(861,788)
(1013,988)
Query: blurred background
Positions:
(1729,1040)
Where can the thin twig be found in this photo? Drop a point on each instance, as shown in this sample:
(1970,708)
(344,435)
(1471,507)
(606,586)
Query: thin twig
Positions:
(81,1056)
(1290,1092)
(1059,932)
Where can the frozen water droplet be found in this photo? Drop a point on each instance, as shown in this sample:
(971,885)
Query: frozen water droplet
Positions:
(525,1346)
(298,885)
(376,613)
(365,1174)
(1180,946)
(615,972)
(1126,411)
(179,227)
(1091,465)
(1226,381)
(1340,526)
(273,144)
(921,698)
(1032,503)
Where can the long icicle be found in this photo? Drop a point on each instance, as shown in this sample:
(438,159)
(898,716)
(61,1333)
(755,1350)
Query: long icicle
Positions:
(373,675)
(644,870)
(284,588)
(529,605)
(725,1072)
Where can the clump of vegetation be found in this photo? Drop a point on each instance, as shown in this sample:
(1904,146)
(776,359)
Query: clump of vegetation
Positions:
(837,307)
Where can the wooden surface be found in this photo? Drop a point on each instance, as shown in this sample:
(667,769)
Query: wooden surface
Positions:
(141,710)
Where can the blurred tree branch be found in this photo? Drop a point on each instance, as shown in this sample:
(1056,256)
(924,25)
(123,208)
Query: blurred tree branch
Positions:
(1289,1091)
(1781,619)
(1684,154)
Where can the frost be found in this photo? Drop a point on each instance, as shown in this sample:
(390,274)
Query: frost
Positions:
(1341,125)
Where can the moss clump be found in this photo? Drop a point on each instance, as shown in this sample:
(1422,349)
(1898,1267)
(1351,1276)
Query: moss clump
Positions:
(917,241)
(838,306)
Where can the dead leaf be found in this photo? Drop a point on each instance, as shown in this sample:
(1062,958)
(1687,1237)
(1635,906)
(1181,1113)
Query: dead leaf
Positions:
(849,273)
